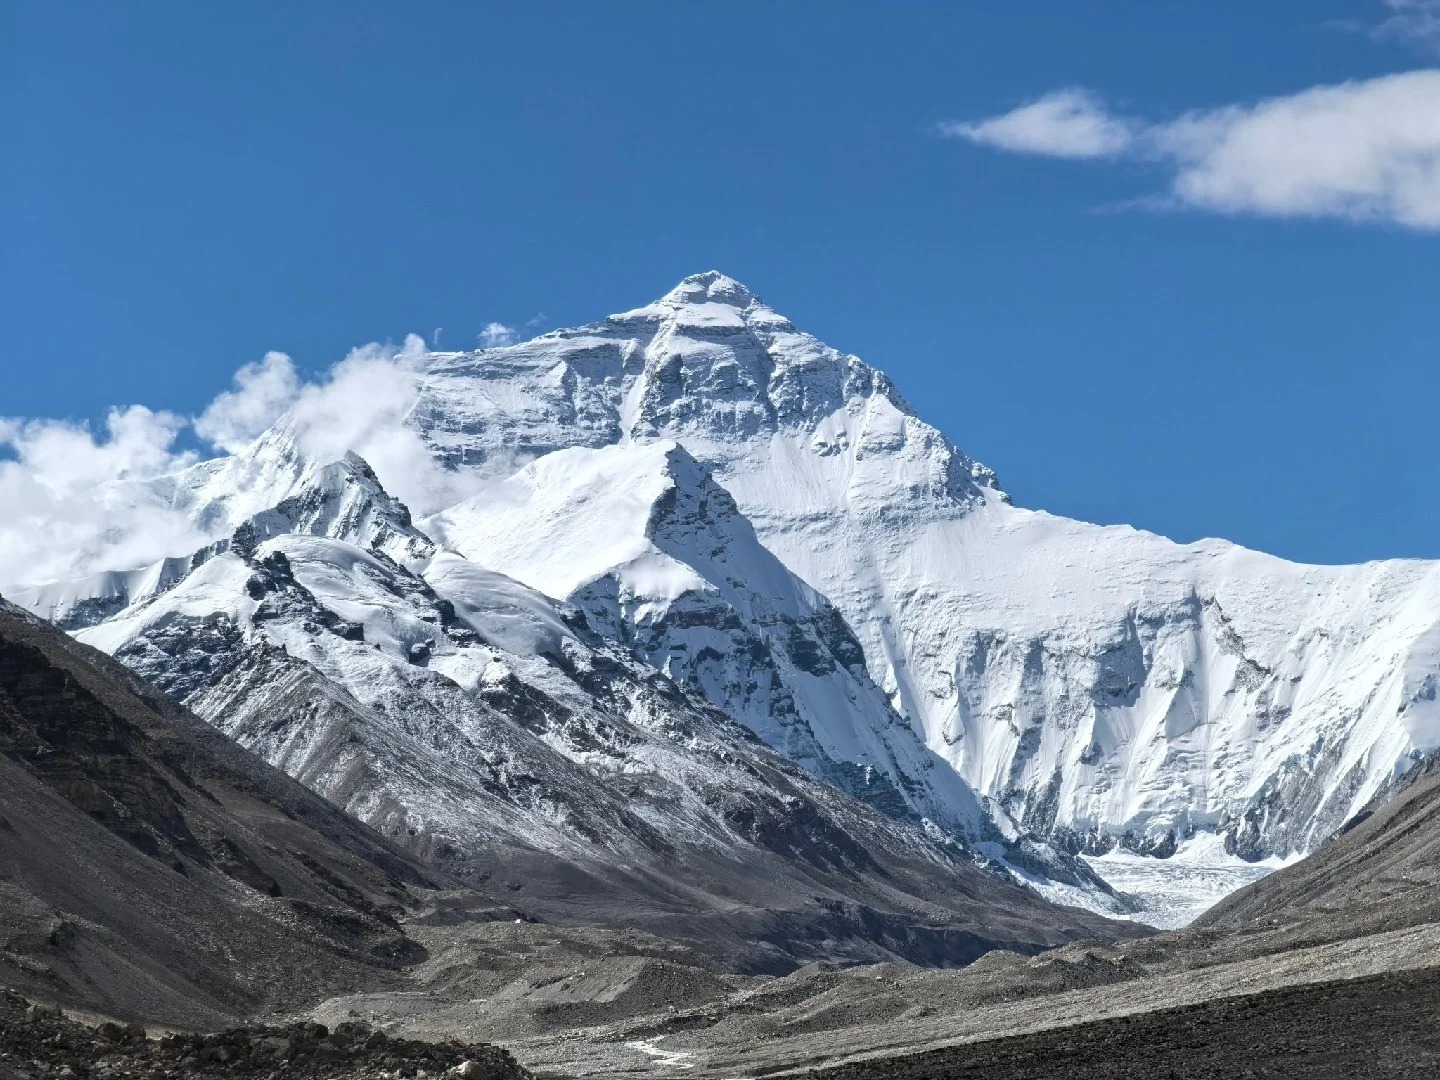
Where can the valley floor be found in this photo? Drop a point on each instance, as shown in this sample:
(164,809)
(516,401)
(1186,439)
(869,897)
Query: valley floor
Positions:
(1379,1027)
(586,1003)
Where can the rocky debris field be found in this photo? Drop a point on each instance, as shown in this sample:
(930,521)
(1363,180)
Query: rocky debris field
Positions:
(1358,1029)
(38,1041)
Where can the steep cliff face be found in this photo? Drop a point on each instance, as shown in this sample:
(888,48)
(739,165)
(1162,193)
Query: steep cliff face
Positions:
(1096,683)
(657,555)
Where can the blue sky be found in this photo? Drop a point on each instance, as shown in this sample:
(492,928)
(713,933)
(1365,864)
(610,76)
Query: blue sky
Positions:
(189,188)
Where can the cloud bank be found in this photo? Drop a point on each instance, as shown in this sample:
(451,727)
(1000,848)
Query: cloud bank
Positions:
(79,500)
(1364,151)
(69,498)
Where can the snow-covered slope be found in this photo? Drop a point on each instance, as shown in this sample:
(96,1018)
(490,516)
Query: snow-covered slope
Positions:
(657,555)
(481,724)
(1097,682)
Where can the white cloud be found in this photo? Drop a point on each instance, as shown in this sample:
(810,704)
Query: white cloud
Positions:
(77,502)
(70,506)
(1359,151)
(263,391)
(1414,21)
(362,406)
(497,334)
(1071,123)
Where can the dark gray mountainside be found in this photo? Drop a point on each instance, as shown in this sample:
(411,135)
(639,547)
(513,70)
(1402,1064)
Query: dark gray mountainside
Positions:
(1343,946)
(1381,874)
(150,867)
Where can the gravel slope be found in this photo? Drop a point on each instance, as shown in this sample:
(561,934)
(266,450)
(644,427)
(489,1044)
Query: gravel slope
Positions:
(1379,1027)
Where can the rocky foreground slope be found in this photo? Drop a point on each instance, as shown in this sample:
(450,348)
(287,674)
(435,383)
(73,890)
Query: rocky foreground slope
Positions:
(1376,1028)
(38,1041)
(1366,905)
(151,868)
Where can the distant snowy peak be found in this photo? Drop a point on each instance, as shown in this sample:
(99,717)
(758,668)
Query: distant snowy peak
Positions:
(641,511)
(698,295)
(219,494)
(339,500)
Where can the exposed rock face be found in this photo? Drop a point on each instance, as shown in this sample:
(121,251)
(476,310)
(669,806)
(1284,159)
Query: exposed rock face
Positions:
(41,1040)
(657,556)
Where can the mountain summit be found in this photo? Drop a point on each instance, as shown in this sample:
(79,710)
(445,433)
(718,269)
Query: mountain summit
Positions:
(710,287)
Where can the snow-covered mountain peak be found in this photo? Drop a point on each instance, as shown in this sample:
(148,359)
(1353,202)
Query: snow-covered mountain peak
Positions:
(751,396)
(707,299)
(710,287)
(647,512)
(343,500)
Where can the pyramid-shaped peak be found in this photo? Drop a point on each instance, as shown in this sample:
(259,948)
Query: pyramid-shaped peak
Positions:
(342,500)
(711,287)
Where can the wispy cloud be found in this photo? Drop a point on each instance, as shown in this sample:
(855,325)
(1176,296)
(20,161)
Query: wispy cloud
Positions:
(262,392)
(1416,22)
(1364,151)
(496,334)
(1070,123)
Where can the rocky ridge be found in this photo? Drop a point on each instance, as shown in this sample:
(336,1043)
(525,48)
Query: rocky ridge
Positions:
(39,1041)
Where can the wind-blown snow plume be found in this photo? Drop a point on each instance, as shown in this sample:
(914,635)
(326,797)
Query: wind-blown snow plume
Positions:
(495,335)
(362,406)
(262,393)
